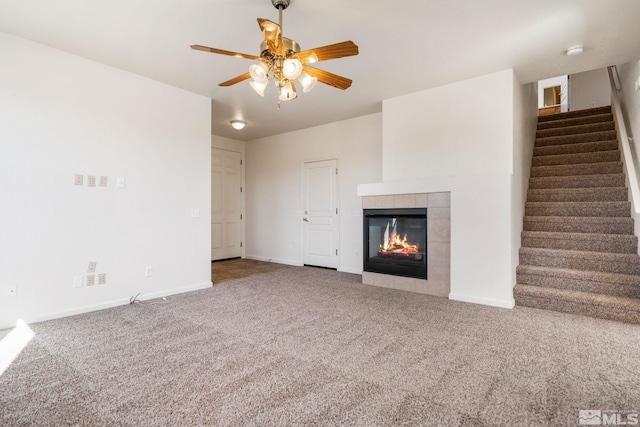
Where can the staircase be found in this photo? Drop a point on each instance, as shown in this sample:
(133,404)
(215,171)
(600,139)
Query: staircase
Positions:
(579,254)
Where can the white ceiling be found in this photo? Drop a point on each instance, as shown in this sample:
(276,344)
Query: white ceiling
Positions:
(405,46)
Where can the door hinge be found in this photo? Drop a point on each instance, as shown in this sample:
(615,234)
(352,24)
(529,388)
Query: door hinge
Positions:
(240,244)
(241,189)
(240,217)
(336,211)
(336,252)
(336,171)
(240,162)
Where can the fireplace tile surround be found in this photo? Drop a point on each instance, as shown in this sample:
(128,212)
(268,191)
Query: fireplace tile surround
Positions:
(438,281)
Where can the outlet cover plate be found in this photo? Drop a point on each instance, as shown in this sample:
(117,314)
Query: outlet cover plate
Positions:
(91,279)
(102,279)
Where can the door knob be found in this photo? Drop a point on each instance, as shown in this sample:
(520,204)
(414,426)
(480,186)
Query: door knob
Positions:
(305,219)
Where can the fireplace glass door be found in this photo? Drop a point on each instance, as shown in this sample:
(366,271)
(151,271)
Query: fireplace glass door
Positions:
(395,242)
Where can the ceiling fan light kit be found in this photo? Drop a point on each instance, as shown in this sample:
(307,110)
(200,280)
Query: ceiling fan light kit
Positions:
(281,61)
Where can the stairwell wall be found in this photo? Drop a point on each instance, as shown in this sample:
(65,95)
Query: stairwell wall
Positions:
(629,75)
(525,120)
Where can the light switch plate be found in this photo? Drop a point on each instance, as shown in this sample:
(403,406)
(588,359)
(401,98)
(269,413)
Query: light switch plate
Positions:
(77,281)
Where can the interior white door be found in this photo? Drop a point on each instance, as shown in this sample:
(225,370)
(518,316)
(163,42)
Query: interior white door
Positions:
(320,215)
(226,204)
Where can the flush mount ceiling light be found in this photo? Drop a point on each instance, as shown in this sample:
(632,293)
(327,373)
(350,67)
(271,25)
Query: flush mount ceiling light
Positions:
(282,62)
(238,124)
(575,50)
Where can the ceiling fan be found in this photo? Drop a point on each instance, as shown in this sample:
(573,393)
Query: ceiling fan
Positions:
(282,61)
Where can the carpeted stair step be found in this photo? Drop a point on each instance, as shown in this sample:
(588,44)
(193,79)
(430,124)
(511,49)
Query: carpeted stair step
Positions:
(575,121)
(586,147)
(564,224)
(596,194)
(583,303)
(579,169)
(576,139)
(581,260)
(602,209)
(578,181)
(576,113)
(575,130)
(611,243)
(575,158)
(620,285)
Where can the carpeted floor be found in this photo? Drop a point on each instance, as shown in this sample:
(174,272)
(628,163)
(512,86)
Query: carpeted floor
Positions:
(305,346)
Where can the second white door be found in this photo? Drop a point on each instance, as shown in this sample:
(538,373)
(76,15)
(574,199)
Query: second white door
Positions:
(226,204)
(320,213)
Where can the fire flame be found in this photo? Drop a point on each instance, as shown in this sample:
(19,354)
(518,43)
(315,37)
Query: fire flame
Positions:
(396,245)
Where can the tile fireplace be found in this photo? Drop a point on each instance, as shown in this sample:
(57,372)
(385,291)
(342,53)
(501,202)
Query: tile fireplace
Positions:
(428,254)
(395,242)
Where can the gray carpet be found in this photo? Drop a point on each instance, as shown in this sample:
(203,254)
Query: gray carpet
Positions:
(305,346)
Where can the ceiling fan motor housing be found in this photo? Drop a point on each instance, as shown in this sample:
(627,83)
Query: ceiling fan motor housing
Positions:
(280,4)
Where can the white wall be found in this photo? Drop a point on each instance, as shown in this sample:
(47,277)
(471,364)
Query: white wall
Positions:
(274,187)
(62,115)
(525,122)
(460,138)
(629,75)
(589,89)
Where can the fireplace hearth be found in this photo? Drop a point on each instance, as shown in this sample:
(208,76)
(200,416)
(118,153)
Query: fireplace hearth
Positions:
(395,242)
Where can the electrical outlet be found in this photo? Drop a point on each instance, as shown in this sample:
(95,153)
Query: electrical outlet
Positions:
(91,279)
(77,281)
(91,181)
(148,272)
(121,182)
(11,291)
(103,181)
(102,279)
(78,179)
(92,267)
(195,213)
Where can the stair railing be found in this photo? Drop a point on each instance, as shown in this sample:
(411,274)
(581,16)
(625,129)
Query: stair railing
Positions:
(621,128)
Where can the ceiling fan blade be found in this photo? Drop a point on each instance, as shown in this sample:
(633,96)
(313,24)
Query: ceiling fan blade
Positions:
(235,80)
(272,35)
(328,78)
(223,52)
(332,51)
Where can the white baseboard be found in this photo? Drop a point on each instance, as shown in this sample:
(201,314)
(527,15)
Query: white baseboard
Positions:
(276,260)
(484,301)
(108,304)
(351,270)
(175,291)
